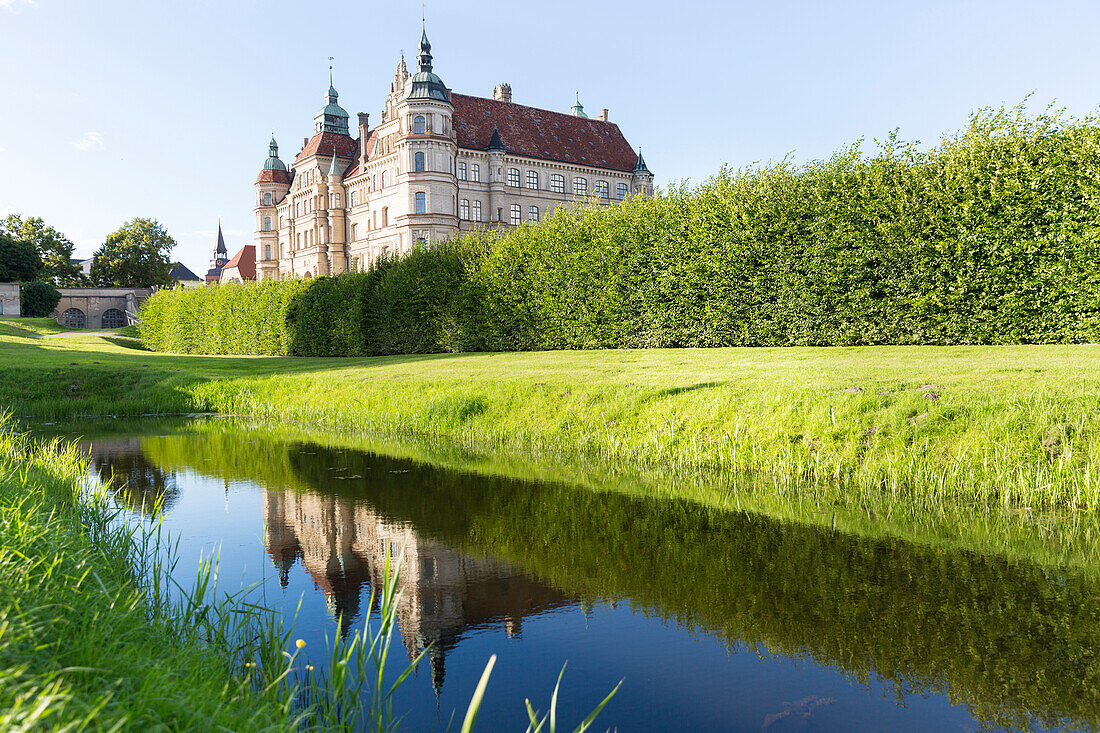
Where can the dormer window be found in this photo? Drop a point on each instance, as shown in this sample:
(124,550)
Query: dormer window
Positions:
(418,125)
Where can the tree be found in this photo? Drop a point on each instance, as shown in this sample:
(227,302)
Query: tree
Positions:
(136,256)
(53,247)
(18,260)
(38,298)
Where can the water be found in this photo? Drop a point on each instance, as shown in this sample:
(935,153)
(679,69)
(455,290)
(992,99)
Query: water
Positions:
(714,620)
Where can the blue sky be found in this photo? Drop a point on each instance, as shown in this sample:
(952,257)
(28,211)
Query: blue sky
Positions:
(113,110)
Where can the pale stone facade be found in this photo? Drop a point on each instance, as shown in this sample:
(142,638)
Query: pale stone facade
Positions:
(9,300)
(99,307)
(437,164)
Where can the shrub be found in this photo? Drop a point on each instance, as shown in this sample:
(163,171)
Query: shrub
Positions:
(990,237)
(38,298)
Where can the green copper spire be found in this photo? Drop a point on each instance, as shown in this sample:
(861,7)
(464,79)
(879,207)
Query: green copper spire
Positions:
(578,110)
(332,171)
(273,163)
(640,166)
(425,84)
(495,142)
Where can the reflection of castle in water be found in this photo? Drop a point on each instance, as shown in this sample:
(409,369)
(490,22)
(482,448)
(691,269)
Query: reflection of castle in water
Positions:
(443,593)
(135,480)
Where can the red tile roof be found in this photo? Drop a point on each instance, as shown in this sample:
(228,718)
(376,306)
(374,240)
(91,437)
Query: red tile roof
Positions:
(322,143)
(273,175)
(244,261)
(353,168)
(540,133)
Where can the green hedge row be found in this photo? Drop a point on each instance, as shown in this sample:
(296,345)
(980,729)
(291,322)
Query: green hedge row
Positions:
(992,236)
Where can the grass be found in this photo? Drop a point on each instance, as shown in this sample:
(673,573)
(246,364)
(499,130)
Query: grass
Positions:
(990,426)
(88,636)
(28,327)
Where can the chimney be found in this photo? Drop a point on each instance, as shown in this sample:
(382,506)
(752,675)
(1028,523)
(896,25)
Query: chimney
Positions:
(364,126)
(502,92)
(602,116)
(305,141)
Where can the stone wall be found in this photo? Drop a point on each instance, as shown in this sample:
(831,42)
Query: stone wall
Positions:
(98,307)
(9,300)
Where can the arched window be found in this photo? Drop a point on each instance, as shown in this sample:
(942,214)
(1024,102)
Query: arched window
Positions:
(557,183)
(73,318)
(532,179)
(354,198)
(464,209)
(385,216)
(601,189)
(475,172)
(476,211)
(532,213)
(513,177)
(267,223)
(514,214)
(580,186)
(113,318)
(418,125)
(383,179)
(267,198)
(418,161)
(421,203)
(462,171)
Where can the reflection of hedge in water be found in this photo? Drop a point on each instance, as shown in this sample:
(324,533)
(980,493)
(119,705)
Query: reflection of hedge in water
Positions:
(991,237)
(1009,640)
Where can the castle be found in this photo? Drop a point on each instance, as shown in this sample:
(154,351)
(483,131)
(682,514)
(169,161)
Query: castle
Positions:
(437,164)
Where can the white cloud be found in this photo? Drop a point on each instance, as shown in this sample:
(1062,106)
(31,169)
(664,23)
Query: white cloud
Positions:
(90,139)
(13,4)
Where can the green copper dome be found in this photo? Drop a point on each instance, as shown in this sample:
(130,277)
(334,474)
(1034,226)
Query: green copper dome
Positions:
(425,84)
(273,163)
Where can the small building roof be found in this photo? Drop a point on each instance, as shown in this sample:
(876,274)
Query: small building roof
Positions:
(180,273)
(244,262)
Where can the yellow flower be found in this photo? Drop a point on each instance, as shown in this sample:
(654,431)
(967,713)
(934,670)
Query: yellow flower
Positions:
(300,643)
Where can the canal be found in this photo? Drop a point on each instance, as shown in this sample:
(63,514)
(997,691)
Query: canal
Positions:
(714,619)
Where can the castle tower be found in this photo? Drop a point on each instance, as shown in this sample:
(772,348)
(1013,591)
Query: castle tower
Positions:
(334,225)
(496,178)
(428,147)
(271,185)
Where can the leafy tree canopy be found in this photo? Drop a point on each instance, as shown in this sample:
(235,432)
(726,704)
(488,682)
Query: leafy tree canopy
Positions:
(18,260)
(39,298)
(53,247)
(136,256)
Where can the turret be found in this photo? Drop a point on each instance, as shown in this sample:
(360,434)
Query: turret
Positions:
(578,109)
(272,186)
(333,117)
(641,181)
(428,148)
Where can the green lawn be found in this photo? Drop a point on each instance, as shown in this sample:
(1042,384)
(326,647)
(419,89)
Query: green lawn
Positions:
(30,327)
(1006,425)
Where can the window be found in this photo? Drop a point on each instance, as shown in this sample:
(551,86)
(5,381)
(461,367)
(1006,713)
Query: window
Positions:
(422,238)
(337,200)
(354,198)
(267,251)
(297,209)
(298,245)
(532,213)
(513,177)
(73,318)
(580,186)
(514,215)
(475,172)
(418,162)
(421,202)
(267,198)
(418,125)
(383,179)
(113,318)
(477,211)
(533,179)
(557,183)
(354,232)
(385,216)
(465,209)
(462,171)
(282,222)
(601,189)
(622,189)
(267,223)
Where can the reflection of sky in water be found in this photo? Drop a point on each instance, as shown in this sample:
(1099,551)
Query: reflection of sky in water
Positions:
(675,678)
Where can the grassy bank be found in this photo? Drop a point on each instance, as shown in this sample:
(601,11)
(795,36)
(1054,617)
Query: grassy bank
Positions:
(1011,426)
(88,639)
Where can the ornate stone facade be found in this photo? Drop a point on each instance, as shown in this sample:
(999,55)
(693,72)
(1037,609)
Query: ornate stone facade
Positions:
(438,163)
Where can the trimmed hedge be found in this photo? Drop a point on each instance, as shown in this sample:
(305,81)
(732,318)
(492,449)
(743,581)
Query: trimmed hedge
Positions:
(991,237)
